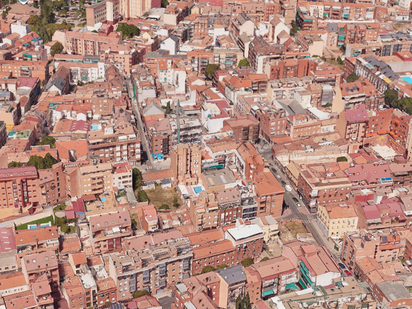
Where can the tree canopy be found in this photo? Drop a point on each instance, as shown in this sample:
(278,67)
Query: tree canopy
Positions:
(210,69)
(14,164)
(208,269)
(57,48)
(391,96)
(352,78)
(137,178)
(128,31)
(47,140)
(294,29)
(42,163)
(244,63)
(164,3)
(341,159)
(139,293)
(247,262)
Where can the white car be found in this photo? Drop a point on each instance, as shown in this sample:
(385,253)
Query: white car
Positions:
(288,188)
(278,176)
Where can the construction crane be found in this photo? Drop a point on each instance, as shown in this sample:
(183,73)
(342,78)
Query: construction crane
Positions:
(179,110)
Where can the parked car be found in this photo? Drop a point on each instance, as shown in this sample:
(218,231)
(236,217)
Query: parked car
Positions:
(341,265)
(278,176)
(283,183)
(348,273)
(288,188)
(296,201)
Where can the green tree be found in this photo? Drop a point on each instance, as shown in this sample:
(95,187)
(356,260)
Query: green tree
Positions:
(164,207)
(391,96)
(294,29)
(139,293)
(42,163)
(244,63)
(405,105)
(210,69)
(164,3)
(47,140)
(128,31)
(14,164)
(264,259)
(343,48)
(328,104)
(168,109)
(208,269)
(175,202)
(142,196)
(65,228)
(36,4)
(222,266)
(340,61)
(341,159)
(49,161)
(57,48)
(247,262)
(72,229)
(352,78)
(62,12)
(137,178)
(6,11)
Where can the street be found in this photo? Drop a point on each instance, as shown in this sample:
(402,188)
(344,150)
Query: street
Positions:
(136,112)
(309,219)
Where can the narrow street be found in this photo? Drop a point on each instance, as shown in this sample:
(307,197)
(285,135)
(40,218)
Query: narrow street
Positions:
(136,112)
(302,213)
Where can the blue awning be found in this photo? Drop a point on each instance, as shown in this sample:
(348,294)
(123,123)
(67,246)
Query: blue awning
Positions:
(292,286)
(268,292)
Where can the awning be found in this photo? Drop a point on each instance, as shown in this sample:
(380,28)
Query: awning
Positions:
(302,283)
(267,293)
(292,286)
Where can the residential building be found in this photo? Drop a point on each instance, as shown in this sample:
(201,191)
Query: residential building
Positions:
(186,163)
(36,265)
(337,219)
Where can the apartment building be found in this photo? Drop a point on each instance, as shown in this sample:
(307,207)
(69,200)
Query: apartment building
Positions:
(36,265)
(272,122)
(314,263)
(323,183)
(361,92)
(274,276)
(38,69)
(10,114)
(336,219)
(382,246)
(19,187)
(115,143)
(352,123)
(279,69)
(260,53)
(151,262)
(107,11)
(84,72)
(301,126)
(247,239)
(124,56)
(269,194)
(88,43)
(95,179)
(39,240)
(108,230)
(52,185)
(244,127)
(186,163)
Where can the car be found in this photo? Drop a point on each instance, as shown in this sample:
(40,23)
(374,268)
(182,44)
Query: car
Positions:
(278,176)
(288,188)
(341,265)
(348,273)
(296,201)
(273,170)
(283,183)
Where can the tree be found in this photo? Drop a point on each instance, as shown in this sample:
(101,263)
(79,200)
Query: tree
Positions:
(175,202)
(405,105)
(208,269)
(65,228)
(72,229)
(134,223)
(48,140)
(137,178)
(222,266)
(264,259)
(62,12)
(139,293)
(244,63)
(341,159)
(343,48)
(128,31)
(164,3)
(57,48)
(294,29)
(247,262)
(168,109)
(164,207)
(243,303)
(42,163)
(142,196)
(14,164)
(210,69)
(328,104)
(340,61)
(6,11)
(391,96)
(352,78)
